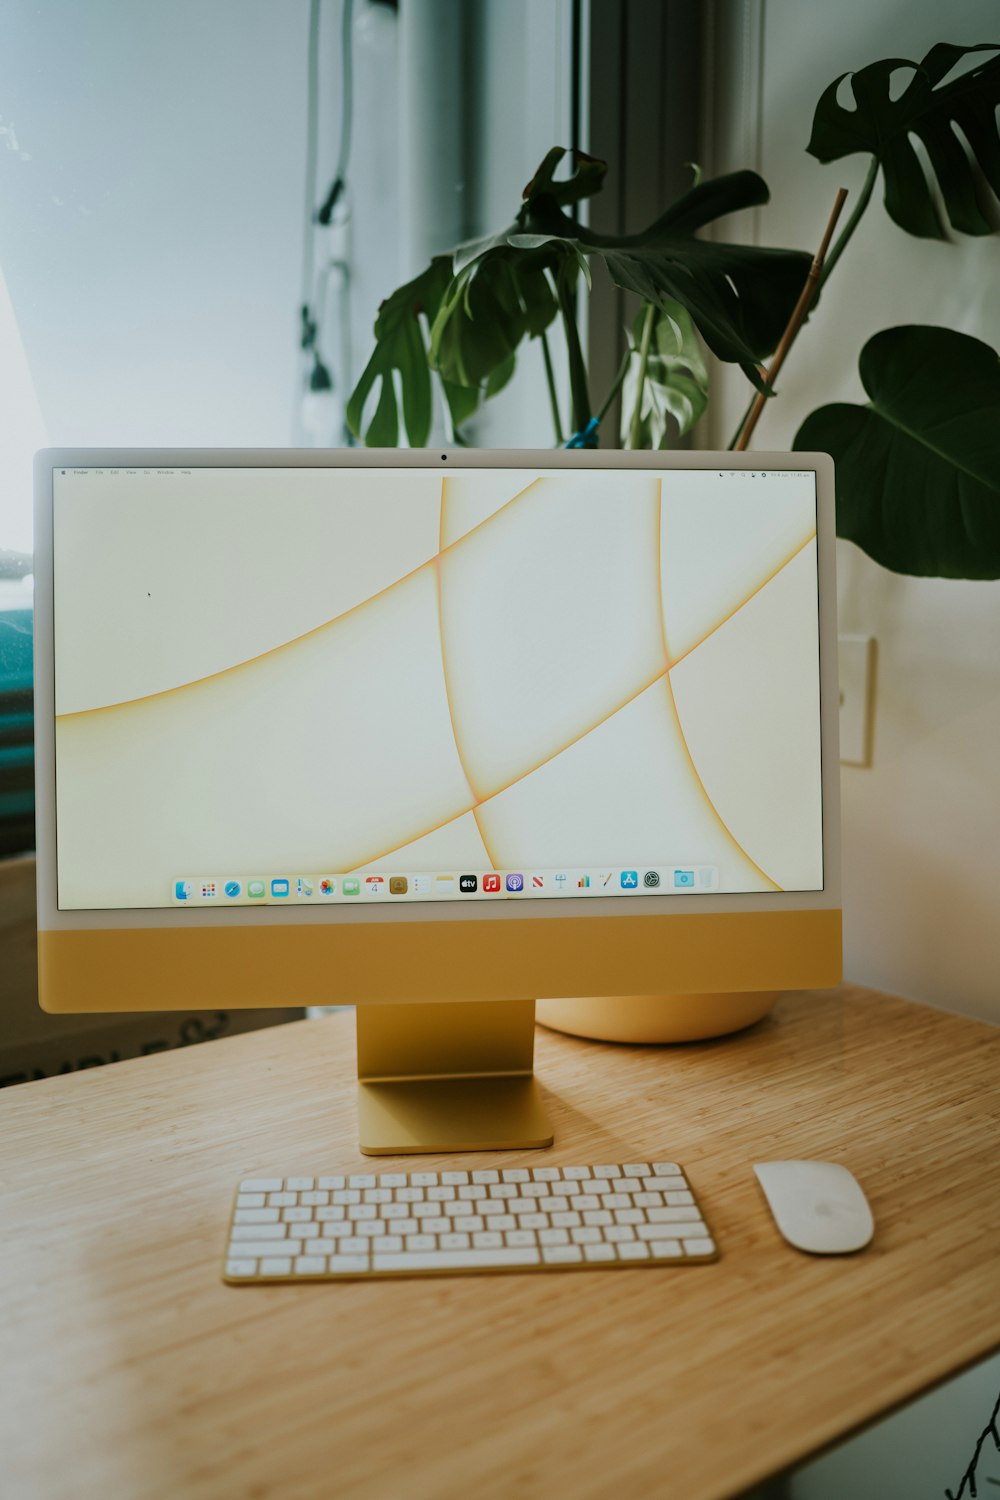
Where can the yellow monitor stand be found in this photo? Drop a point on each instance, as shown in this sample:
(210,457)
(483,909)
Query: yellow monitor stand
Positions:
(459,1076)
(448,1077)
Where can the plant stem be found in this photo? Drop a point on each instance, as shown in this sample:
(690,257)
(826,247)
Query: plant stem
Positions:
(577,368)
(616,384)
(794,323)
(852,223)
(647,334)
(551,382)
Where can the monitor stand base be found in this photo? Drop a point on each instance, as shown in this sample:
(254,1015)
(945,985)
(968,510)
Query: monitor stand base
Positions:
(656,1018)
(441,1078)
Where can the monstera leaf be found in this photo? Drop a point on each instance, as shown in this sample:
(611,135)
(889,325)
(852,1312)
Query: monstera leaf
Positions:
(918,469)
(675,388)
(934,112)
(492,303)
(739,297)
(400,348)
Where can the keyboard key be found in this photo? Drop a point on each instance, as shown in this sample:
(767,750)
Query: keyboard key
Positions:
(454,1179)
(545,1174)
(362,1180)
(310,1265)
(634,1250)
(606,1171)
(241,1268)
(276,1266)
(585,1201)
(457,1260)
(259,1248)
(251,1200)
(520,1237)
(552,1237)
(664,1248)
(617,1233)
(393,1179)
(424,1179)
(262,1185)
(599,1253)
(256,1215)
(315,1199)
(259,1232)
(636,1169)
(282,1200)
(470,1223)
(330,1182)
(486,1175)
(487,1240)
(675,1200)
(353,1247)
(454,1242)
(387,1242)
(562,1255)
(666,1169)
(377,1195)
(575,1174)
(345,1264)
(296,1215)
(699,1247)
(299,1184)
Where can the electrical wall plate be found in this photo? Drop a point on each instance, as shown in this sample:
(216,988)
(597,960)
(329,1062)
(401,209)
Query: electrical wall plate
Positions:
(857,656)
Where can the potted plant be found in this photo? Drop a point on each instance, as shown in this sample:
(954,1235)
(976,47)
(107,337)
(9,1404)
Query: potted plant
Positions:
(918,467)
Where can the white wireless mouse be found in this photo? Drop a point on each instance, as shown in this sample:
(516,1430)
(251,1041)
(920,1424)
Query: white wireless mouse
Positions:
(817,1205)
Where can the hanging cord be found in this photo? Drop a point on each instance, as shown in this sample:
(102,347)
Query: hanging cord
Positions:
(339,183)
(308,328)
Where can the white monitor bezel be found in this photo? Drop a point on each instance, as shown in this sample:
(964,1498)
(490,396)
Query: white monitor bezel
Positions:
(52,919)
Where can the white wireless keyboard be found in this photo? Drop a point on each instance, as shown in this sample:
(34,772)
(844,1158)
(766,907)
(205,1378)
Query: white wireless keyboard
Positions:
(502,1219)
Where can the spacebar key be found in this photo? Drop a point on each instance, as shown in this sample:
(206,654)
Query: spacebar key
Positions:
(455,1260)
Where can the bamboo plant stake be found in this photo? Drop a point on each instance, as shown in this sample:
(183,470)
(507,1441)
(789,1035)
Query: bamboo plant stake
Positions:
(794,323)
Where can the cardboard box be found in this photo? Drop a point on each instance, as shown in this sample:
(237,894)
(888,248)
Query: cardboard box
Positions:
(36,1045)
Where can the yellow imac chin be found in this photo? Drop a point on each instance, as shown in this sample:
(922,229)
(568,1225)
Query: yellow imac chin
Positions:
(438,734)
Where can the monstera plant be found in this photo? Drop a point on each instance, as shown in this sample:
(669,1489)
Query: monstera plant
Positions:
(918,466)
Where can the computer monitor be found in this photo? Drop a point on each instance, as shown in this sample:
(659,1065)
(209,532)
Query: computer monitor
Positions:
(435,734)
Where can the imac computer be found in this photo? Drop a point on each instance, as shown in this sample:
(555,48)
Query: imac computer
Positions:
(439,735)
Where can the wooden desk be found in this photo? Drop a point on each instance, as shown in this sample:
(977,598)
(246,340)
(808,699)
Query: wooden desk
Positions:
(131,1371)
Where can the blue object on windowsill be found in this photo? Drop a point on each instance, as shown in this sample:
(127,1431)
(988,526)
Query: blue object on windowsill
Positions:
(17,739)
(587,436)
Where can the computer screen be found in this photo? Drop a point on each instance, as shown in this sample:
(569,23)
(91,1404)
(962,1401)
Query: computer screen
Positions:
(410,729)
(323,687)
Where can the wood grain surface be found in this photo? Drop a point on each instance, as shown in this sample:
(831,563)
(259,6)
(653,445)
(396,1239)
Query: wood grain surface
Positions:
(130,1372)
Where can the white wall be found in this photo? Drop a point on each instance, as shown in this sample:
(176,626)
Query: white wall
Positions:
(152,219)
(921,828)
